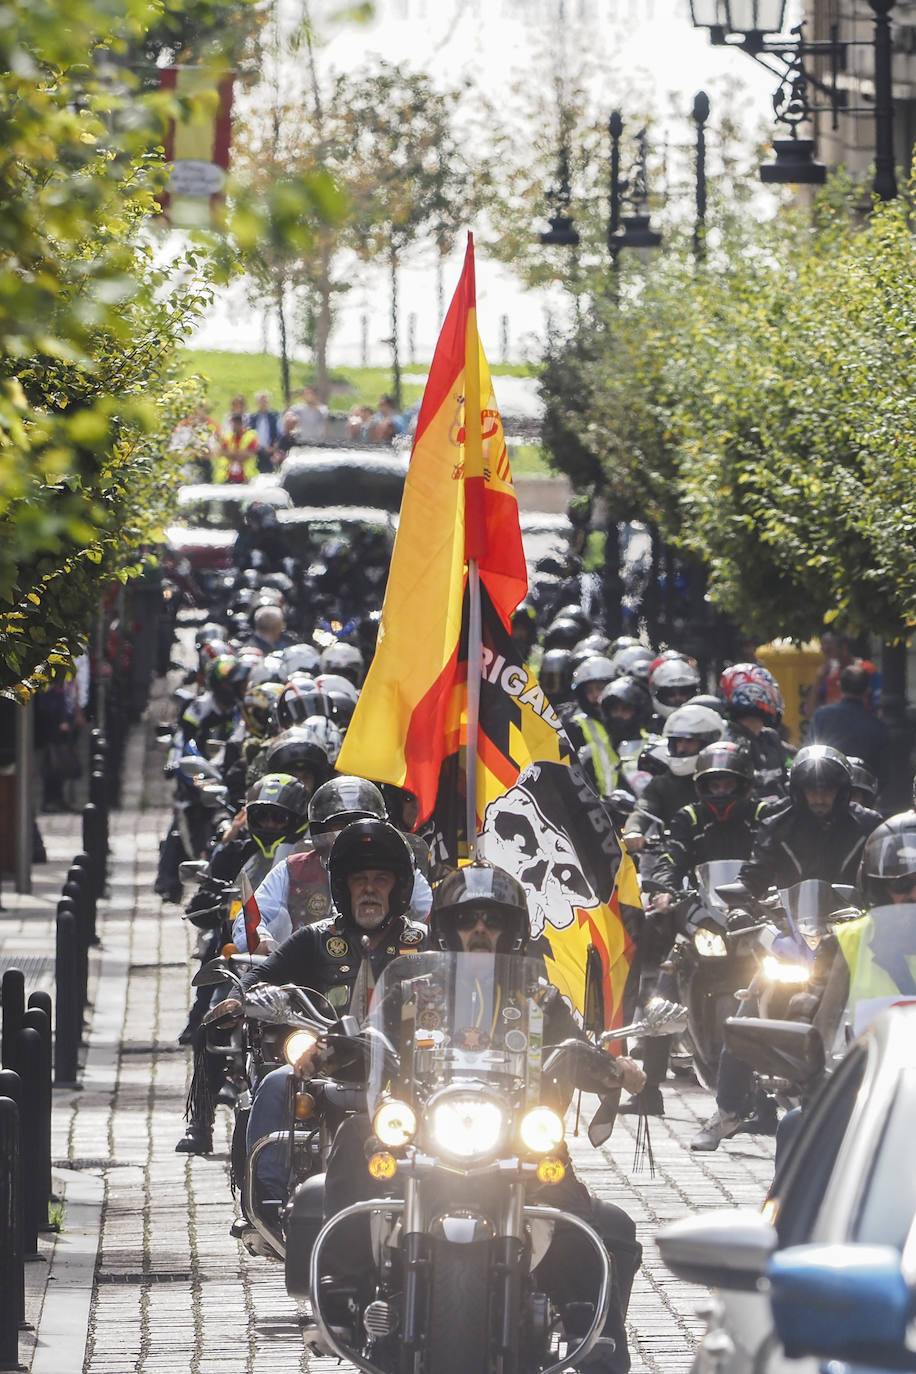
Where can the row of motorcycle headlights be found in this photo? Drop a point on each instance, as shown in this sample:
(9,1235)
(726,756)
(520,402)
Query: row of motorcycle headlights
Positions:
(709,944)
(466,1127)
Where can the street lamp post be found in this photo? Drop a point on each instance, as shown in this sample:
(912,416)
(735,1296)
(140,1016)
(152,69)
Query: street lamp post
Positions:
(700,116)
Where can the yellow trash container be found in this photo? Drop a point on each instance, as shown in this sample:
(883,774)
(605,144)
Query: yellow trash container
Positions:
(794,668)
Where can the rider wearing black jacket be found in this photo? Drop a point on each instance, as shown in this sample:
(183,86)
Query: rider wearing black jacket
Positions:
(818,832)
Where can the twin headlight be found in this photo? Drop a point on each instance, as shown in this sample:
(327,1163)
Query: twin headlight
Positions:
(466,1126)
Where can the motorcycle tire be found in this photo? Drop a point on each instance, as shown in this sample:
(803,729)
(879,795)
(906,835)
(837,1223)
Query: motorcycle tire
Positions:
(459,1323)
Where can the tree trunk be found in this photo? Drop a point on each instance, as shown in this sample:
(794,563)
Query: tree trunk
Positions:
(897,793)
(323,322)
(395,355)
(284,348)
(612,589)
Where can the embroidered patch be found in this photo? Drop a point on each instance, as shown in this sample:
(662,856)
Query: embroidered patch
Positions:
(337,947)
(411,937)
(317,905)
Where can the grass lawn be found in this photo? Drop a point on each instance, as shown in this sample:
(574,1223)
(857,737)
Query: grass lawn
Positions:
(246,374)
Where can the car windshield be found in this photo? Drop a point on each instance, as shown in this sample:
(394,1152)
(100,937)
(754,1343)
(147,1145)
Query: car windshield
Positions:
(458,1017)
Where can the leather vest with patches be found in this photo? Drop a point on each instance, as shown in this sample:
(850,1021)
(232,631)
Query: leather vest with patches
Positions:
(309,889)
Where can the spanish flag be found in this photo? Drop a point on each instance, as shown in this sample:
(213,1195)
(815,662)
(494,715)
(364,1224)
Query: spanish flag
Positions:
(459,504)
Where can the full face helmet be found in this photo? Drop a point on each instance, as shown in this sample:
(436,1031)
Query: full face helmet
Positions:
(626,707)
(343,660)
(562,633)
(226,679)
(555,674)
(672,682)
(300,699)
(589,681)
(302,752)
(337,803)
(696,724)
(724,776)
(366,844)
(820,766)
(259,707)
(888,864)
(750,690)
(633,661)
(300,658)
(341,694)
(276,811)
(864,782)
(480,891)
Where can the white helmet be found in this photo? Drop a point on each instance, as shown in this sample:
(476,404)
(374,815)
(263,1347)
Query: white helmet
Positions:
(344,660)
(672,682)
(691,722)
(325,733)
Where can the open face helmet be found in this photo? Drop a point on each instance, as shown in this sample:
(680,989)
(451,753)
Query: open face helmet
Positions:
(480,891)
(276,811)
(700,726)
(594,670)
(371,844)
(337,803)
(750,690)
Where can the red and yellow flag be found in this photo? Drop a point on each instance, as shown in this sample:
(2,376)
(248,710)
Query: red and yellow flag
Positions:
(459,503)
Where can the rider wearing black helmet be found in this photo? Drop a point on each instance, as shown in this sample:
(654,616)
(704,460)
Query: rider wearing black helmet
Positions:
(818,832)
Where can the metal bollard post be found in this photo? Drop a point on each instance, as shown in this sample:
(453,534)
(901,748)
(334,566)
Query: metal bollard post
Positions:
(11,1277)
(98,796)
(74,891)
(28,1066)
(69,1011)
(92,844)
(36,1018)
(83,861)
(12,994)
(11,1087)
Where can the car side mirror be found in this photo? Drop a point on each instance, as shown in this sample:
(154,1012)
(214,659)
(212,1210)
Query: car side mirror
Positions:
(792,1050)
(722,1249)
(842,1302)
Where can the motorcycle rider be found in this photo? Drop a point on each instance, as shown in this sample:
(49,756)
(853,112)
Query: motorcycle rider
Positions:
(754,706)
(483,909)
(687,731)
(585,726)
(297,892)
(818,832)
(625,707)
(371,875)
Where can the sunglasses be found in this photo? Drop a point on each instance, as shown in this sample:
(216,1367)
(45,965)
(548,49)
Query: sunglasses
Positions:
(493,920)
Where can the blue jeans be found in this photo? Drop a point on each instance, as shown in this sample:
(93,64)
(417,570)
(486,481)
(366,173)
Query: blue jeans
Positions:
(269,1113)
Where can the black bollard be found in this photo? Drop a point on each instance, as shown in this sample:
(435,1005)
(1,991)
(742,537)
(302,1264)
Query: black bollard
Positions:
(92,844)
(83,861)
(74,891)
(69,1012)
(11,1087)
(11,1277)
(12,994)
(28,1066)
(36,1018)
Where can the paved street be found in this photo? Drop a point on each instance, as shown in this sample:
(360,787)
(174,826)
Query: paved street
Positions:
(172,1292)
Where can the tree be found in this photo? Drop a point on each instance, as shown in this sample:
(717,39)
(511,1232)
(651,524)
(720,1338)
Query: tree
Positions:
(88,324)
(405,172)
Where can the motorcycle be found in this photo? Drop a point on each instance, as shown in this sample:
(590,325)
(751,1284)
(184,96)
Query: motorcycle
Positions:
(465,1130)
(200,806)
(710,964)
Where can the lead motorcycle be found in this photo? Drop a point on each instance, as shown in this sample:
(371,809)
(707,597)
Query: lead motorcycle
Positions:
(464,1144)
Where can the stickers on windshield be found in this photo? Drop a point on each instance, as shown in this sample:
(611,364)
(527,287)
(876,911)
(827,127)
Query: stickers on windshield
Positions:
(516,1041)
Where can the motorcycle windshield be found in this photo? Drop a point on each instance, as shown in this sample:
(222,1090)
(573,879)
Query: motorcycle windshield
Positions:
(438,1017)
(809,906)
(717,874)
(880,954)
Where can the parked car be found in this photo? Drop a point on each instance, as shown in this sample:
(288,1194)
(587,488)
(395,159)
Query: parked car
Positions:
(365,476)
(210,516)
(826,1270)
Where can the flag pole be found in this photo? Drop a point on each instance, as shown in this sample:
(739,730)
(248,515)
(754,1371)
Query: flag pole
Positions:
(475,658)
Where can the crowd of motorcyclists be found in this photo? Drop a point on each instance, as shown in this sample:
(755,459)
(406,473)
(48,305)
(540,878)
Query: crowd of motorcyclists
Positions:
(306,878)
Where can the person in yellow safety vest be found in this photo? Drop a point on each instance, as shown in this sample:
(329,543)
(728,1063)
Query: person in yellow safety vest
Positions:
(879,950)
(625,709)
(585,726)
(237,460)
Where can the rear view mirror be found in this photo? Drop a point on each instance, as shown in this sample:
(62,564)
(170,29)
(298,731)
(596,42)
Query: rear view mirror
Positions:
(842,1302)
(792,1050)
(723,1249)
(192,870)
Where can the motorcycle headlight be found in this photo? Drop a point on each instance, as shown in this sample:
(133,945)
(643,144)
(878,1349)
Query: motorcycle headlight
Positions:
(395,1123)
(778,971)
(296,1045)
(709,944)
(541,1130)
(466,1126)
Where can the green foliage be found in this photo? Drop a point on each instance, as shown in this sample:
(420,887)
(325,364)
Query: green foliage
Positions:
(88,322)
(759,410)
